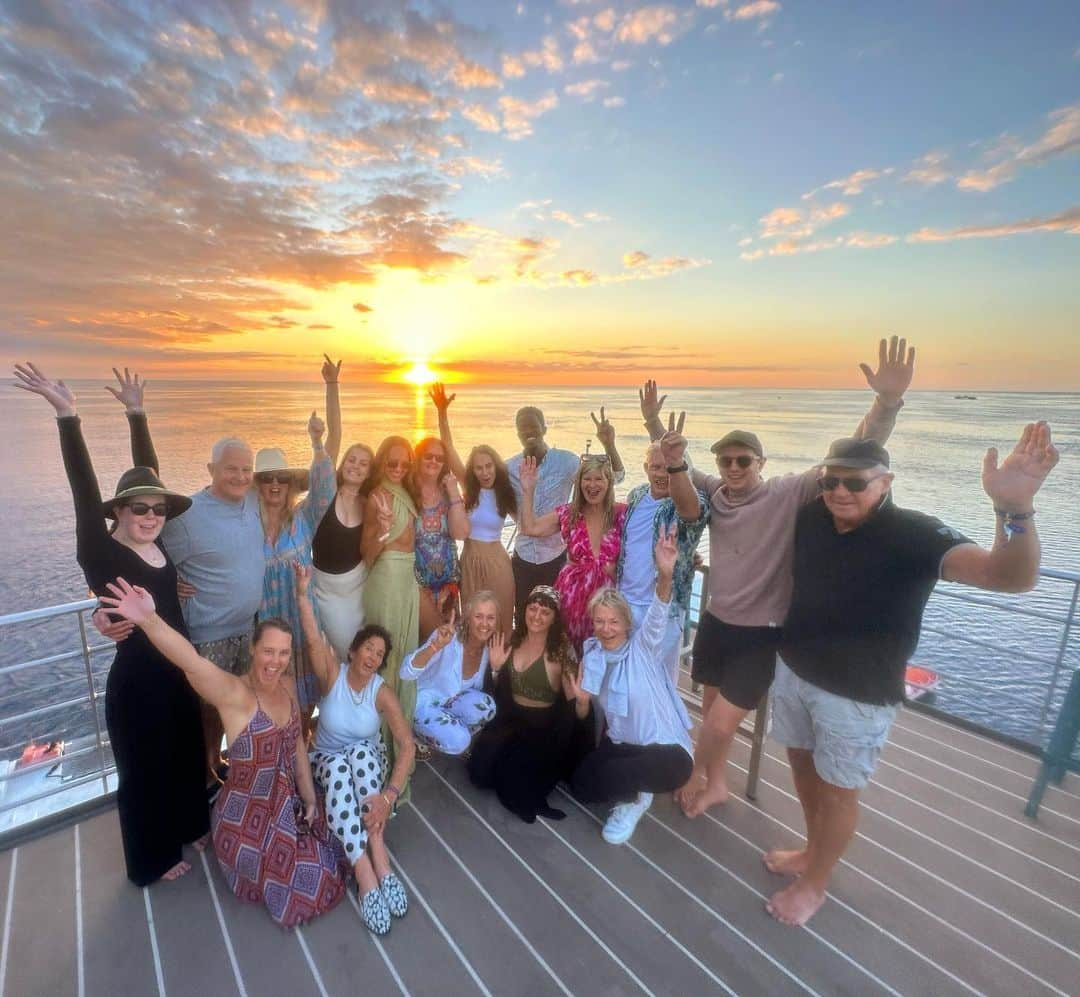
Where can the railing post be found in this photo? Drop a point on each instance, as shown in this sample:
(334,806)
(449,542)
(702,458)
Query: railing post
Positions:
(93,700)
(1062,647)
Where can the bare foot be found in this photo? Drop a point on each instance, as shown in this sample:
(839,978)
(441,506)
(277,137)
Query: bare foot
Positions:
(694,785)
(710,796)
(785,862)
(181,868)
(199,844)
(795,904)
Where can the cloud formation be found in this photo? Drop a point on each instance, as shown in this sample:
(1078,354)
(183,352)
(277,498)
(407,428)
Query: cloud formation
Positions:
(1066,221)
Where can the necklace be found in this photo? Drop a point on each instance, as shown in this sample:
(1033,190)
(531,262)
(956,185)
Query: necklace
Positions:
(357,697)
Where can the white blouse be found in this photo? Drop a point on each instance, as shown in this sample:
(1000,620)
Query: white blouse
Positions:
(441,677)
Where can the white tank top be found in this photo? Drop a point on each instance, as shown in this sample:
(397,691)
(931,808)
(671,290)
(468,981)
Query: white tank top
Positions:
(346,717)
(485,523)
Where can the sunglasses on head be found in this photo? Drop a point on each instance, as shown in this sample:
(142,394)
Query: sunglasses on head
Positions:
(142,508)
(274,478)
(830,482)
(595,458)
(743,460)
(398,465)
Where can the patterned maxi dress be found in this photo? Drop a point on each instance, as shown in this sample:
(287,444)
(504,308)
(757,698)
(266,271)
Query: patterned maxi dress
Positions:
(584,571)
(265,859)
(279,583)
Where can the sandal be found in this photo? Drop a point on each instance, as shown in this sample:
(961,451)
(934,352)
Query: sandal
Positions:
(397,901)
(374,912)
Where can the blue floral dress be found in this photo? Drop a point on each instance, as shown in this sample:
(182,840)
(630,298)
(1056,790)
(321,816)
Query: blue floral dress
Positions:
(294,545)
(436,551)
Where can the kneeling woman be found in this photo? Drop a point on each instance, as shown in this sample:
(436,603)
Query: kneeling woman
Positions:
(530,744)
(647,746)
(270,835)
(350,758)
(450,671)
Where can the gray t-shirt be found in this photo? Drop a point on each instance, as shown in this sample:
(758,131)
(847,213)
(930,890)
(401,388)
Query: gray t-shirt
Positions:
(217,546)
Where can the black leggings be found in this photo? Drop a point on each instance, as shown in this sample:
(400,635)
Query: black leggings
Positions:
(528,575)
(616,773)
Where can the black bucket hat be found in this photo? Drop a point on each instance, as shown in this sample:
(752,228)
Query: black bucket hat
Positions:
(144,481)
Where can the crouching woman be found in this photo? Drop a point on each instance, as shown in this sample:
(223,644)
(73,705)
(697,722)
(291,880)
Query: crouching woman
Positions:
(647,746)
(349,757)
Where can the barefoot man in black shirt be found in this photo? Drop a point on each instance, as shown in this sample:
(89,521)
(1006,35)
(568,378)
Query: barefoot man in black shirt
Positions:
(864,570)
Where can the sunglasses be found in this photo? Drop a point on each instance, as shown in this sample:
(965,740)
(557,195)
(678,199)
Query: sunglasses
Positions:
(142,508)
(830,482)
(398,465)
(436,458)
(270,478)
(743,460)
(595,458)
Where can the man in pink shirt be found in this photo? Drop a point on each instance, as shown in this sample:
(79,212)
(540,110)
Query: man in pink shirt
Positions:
(751,543)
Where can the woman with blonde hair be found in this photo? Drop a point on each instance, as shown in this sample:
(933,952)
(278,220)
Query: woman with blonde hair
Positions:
(450,672)
(591,527)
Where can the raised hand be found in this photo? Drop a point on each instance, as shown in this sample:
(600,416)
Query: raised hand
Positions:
(444,634)
(650,404)
(666,551)
(1012,484)
(56,393)
(528,474)
(384,510)
(896,365)
(605,431)
(450,484)
(301,578)
(676,425)
(498,651)
(131,601)
(315,427)
(331,372)
(673,447)
(439,398)
(571,683)
(130,392)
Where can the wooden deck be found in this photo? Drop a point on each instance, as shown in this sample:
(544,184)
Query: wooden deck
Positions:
(947,889)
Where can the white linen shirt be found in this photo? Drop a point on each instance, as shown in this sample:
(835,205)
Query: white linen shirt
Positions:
(637,692)
(441,677)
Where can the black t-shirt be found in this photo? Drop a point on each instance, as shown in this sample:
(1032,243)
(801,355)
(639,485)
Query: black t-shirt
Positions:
(859,598)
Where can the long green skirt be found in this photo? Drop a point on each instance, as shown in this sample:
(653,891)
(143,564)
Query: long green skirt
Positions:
(392,600)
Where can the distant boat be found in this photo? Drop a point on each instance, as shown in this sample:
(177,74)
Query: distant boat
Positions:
(920,682)
(969,398)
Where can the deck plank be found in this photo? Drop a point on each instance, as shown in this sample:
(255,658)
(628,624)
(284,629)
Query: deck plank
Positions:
(42,955)
(880,851)
(647,951)
(117,942)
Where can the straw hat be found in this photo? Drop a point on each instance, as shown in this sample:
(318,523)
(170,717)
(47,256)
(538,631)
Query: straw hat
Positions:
(273,459)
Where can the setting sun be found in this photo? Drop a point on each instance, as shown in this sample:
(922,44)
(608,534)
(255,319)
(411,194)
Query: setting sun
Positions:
(419,374)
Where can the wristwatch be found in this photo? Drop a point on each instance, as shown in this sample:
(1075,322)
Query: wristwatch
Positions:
(678,468)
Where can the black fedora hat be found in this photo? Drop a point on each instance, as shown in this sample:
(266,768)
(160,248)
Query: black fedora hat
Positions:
(144,481)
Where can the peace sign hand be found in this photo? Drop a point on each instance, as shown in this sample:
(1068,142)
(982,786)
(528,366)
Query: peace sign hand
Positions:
(383,510)
(605,431)
(56,393)
(666,551)
(444,634)
(130,392)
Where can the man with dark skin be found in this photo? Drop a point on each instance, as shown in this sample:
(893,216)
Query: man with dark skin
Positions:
(537,560)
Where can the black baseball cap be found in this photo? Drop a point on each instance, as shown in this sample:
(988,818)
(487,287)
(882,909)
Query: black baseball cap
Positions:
(739,438)
(849,451)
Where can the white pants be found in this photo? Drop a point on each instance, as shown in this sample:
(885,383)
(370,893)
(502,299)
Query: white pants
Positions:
(448,726)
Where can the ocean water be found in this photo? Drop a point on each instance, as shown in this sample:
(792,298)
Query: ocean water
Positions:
(1002,680)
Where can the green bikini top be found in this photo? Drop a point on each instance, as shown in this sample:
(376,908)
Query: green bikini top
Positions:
(532,683)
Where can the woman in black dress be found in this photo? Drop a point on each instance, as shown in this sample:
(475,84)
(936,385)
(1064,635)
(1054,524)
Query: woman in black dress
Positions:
(151,712)
(539,730)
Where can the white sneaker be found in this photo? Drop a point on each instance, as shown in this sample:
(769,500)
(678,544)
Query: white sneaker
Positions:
(624,818)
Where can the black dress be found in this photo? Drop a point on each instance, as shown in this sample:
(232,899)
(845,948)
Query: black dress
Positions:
(153,715)
(524,752)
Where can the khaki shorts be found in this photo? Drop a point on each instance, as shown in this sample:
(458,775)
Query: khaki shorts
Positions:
(845,736)
(230,654)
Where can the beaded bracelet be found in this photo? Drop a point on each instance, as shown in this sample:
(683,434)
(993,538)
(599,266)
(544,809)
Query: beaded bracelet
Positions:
(1011,519)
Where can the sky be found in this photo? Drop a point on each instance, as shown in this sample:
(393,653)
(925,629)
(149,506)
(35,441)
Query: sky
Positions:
(714,193)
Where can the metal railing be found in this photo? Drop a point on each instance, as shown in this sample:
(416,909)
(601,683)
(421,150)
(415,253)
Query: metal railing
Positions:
(94,759)
(98,744)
